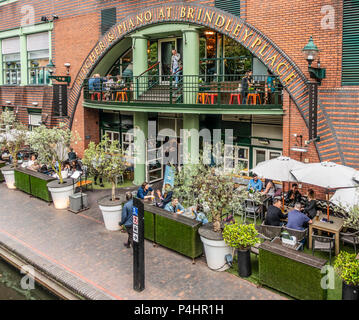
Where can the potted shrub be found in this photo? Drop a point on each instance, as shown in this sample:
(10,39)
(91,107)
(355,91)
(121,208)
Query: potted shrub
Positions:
(12,137)
(107,160)
(241,237)
(51,146)
(347,266)
(212,187)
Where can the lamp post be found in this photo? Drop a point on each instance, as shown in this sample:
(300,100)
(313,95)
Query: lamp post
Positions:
(311,53)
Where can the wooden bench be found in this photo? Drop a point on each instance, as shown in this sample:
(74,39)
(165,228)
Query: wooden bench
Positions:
(85,183)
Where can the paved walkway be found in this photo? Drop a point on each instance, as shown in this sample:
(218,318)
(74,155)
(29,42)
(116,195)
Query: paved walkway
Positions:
(79,248)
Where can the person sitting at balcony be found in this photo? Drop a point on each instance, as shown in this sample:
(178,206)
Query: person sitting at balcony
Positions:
(174,206)
(143,191)
(296,219)
(108,86)
(274,214)
(166,197)
(293,195)
(175,65)
(255,184)
(310,208)
(246,84)
(269,87)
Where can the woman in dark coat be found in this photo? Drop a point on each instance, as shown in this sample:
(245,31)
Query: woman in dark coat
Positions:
(310,208)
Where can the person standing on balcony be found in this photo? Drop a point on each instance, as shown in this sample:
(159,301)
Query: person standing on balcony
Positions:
(175,64)
(247,81)
(269,87)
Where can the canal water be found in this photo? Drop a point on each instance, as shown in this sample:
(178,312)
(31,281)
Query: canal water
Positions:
(10,286)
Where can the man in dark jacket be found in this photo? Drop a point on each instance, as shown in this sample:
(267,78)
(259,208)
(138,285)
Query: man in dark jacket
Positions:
(127,219)
(274,214)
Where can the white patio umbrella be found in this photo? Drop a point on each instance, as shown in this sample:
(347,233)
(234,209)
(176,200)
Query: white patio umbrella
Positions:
(346,198)
(278,169)
(328,175)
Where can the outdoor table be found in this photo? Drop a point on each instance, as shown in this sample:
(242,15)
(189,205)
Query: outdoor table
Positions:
(334,228)
(296,247)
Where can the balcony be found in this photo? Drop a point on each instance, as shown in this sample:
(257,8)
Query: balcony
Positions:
(185,94)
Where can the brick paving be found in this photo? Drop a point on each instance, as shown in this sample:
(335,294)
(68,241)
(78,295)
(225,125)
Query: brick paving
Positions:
(78,250)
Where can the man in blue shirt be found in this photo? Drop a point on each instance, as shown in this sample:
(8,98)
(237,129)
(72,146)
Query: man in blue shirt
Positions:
(296,219)
(174,206)
(255,184)
(144,190)
(127,219)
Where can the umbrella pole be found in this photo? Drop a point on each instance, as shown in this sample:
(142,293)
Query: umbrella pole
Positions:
(327,196)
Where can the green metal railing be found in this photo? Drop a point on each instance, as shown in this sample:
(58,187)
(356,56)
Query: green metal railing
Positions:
(180,89)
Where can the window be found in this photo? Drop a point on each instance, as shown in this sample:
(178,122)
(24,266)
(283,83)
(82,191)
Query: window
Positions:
(38,58)
(231,6)
(108,19)
(350,66)
(34,119)
(236,157)
(261,155)
(11,61)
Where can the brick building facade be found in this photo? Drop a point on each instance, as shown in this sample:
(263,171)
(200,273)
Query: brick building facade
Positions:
(287,24)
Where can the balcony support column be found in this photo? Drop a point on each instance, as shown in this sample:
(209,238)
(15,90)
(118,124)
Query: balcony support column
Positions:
(190,64)
(140,124)
(190,138)
(140,63)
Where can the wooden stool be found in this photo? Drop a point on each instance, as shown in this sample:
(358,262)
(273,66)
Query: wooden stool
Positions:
(120,96)
(211,97)
(203,96)
(97,94)
(253,97)
(239,98)
(85,183)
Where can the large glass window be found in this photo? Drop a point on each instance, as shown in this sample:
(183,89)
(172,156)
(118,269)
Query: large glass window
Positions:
(11,61)
(38,58)
(238,60)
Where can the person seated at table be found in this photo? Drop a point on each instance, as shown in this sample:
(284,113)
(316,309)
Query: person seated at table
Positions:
(293,195)
(166,197)
(72,155)
(269,188)
(33,163)
(274,214)
(174,206)
(199,214)
(297,219)
(310,208)
(144,190)
(255,184)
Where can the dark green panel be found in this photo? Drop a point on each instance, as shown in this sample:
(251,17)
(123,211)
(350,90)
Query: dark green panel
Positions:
(231,6)
(350,61)
(108,19)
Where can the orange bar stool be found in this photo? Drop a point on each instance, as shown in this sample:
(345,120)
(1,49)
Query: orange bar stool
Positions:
(211,97)
(234,95)
(120,95)
(203,96)
(252,97)
(96,94)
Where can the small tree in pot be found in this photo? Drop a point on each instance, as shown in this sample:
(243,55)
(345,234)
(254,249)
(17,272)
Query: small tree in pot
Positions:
(347,266)
(12,137)
(51,146)
(241,237)
(107,160)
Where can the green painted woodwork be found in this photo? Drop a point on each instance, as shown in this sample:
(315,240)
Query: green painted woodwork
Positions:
(191,144)
(299,280)
(108,19)
(23,60)
(350,66)
(140,122)
(187,108)
(1,66)
(140,63)
(164,30)
(5,2)
(33,183)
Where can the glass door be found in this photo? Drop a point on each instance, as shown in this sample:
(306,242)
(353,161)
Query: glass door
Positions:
(165,48)
(112,135)
(154,167)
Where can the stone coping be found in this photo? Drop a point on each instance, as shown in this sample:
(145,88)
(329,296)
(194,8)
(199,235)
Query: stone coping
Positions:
(56,183)
(107,202)
(207,232)
(35,174)
(9,167)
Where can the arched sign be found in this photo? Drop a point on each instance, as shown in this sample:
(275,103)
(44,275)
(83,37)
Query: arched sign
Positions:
(234,27)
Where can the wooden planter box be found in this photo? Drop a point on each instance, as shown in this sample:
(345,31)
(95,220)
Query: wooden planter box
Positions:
(173,231)
(292,272)
(33,183)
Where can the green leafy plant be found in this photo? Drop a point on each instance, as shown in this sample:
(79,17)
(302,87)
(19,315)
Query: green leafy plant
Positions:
(240,236)
(51,146)
(351,218)
(347,266)
(107,160)
(12,134)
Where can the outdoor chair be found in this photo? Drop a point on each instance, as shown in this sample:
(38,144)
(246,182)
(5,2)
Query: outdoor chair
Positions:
(251,210)
(299,234)
(271,232)
(262,238)
(351,238)
(325,244)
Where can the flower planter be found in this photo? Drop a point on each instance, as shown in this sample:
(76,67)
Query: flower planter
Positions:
(350,292)
(244,263)
(61,193)
(9,175)
(111,212)
(215,248)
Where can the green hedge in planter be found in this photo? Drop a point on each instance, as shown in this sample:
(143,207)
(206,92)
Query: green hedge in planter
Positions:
(173,231)
(33,183)
(292,272)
